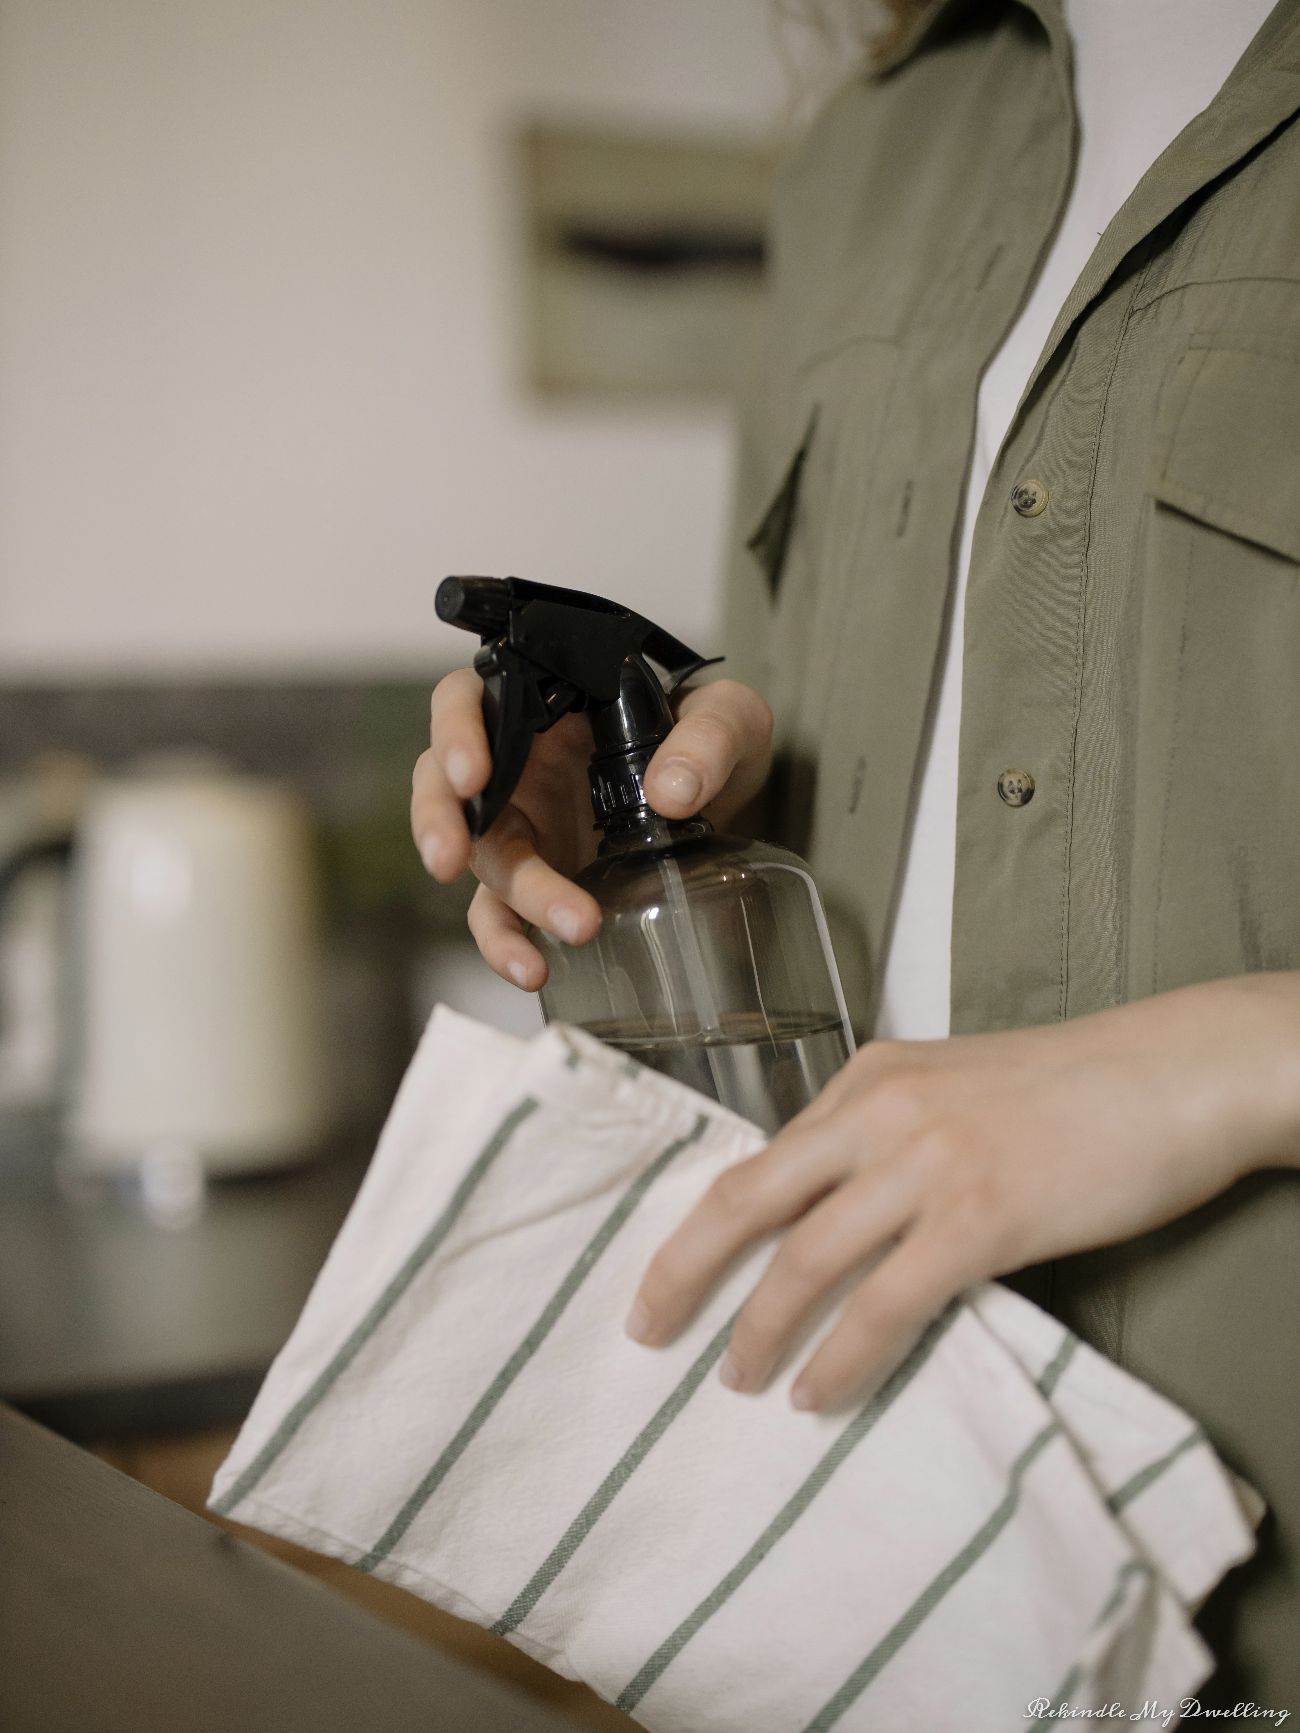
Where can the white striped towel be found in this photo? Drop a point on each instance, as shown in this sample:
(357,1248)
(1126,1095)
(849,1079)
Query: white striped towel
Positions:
(1008,1520)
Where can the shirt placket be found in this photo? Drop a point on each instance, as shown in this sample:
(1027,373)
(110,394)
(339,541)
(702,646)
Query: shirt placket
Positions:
(1026,624)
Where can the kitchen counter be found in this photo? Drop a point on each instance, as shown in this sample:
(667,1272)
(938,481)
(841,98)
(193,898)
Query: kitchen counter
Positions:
(112,1326)
(121,1613)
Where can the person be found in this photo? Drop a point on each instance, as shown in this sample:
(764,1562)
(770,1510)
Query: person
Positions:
(1015,650)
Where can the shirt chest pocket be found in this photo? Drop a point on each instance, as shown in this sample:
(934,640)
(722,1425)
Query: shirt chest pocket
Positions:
(1227,449)
(819,476)
(1220,697)
(804,537)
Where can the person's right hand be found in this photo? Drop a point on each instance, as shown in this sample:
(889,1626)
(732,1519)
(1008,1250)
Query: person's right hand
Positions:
(718,755)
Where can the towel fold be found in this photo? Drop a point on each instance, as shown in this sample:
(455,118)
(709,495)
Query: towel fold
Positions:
(1008,1523)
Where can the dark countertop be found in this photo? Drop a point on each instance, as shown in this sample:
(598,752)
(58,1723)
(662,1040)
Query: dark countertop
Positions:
(122,1613)
(112,1326)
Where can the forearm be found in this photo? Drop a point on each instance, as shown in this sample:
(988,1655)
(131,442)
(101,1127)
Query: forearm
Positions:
(1244,1040)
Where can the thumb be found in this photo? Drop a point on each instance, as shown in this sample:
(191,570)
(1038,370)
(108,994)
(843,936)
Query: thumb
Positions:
(722,740)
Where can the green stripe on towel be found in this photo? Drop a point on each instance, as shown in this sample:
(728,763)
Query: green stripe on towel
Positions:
(321,1386)
(1052,1373)
(852,1434)
(532,1341)
(930,1597)
(1139,1482)
(1064,1692)
(612,1485)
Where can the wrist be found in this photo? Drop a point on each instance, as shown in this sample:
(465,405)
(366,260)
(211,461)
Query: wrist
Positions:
(1254,1022)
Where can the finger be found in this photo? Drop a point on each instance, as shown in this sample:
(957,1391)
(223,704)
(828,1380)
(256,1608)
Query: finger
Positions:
(722,738)
(499,934)
(438,820)
(456,732)
(507,861)
(882,1317)
(745,1202)
(456,763)
(850,1226)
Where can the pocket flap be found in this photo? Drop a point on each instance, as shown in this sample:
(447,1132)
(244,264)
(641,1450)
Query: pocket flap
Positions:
(1229,447)
(770,542)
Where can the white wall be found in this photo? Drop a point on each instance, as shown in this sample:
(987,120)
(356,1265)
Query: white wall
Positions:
(258,386)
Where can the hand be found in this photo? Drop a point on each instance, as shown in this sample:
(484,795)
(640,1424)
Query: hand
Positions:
(718,755)
(948,1162)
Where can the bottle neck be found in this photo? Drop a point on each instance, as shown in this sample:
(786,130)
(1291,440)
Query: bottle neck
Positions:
(626,732)
(642,830)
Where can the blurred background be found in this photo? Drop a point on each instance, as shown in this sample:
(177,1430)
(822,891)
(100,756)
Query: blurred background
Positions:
(304,304)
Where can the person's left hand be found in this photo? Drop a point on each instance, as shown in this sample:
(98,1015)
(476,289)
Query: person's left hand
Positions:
(950,1161)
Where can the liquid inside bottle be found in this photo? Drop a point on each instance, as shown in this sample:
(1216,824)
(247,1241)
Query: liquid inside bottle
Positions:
(765,1070)
(712,966)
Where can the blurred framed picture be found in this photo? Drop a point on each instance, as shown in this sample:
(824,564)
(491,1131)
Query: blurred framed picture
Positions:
(644,261)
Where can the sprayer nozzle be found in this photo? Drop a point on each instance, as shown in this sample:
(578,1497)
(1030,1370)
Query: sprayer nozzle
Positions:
(480,605)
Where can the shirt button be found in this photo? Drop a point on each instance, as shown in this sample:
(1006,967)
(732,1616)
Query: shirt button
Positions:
(1029,498)
(1016,787)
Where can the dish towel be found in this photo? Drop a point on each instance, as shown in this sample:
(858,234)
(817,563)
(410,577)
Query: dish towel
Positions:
(1009,1522)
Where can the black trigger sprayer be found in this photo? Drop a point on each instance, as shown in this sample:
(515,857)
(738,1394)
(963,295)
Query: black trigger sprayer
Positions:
(547,651)
(712,962)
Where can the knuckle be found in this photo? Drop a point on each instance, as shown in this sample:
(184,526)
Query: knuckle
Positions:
(838,1092)
(940,1170)
(975,1191)
(710,734)
(757,1331)
(760,718)
(880,1055)
(970,1208)
(800,1263)
(940,1145)
(732,1192)
(901,1096)
(878,1060)
(741,700)
(900,1297)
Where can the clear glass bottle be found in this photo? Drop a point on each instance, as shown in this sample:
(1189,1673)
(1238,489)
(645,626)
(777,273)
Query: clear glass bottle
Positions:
(712,965)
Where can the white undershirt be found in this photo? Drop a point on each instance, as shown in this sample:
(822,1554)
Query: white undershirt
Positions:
(1142,70)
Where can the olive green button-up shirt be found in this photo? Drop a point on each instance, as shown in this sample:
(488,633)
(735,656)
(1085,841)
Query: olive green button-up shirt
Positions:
(1132,633)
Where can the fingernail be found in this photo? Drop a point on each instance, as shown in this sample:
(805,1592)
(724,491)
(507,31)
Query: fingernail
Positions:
(802,1397)
(679,783)
(518,974)
(638,1323)
(459,769)
(565,923)
(431,852)
(730,1374)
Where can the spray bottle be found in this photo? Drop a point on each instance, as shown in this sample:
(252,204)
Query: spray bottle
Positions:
(712,962)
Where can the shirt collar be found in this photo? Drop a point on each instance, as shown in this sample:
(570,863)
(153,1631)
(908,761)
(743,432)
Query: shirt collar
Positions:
(928,17)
